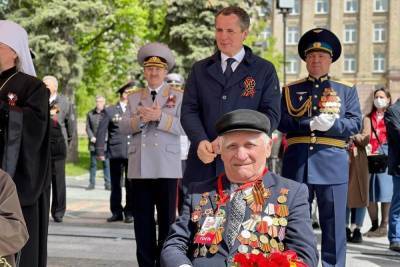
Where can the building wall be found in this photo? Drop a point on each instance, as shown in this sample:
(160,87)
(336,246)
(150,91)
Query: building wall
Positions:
(362,50)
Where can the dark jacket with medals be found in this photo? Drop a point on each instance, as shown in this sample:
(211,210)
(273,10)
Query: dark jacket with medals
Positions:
(253,85)
(200,202)
(25,114)
(117,143)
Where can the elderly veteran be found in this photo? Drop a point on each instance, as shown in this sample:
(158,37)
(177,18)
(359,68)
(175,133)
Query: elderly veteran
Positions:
(319,114)
(154,162)
(245,211)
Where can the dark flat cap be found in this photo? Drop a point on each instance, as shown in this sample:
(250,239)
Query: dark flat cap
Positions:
(319,39)
(243,120)
(125,87)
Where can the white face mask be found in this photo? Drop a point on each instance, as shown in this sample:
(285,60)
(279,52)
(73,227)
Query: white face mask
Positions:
(380,103)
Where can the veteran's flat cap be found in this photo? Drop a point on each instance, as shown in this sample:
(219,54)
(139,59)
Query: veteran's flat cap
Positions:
(319,39)
(243,120)
(156,55)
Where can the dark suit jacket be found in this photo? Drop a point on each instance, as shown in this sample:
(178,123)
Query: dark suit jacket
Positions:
(93,119)
(178,248)
(207,97)
(117,143)
(392,120)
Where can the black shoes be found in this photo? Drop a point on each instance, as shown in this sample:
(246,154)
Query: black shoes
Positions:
(348,234)
(107,187)
(115,218)
(90,187)
(128,219)
(395,246)
(357,236)
(58,219)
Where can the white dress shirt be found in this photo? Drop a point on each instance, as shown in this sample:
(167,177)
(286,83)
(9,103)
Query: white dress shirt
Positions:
(238,58)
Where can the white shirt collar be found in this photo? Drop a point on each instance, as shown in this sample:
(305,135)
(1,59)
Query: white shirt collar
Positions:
(123,106)
(156,89)
(238,58)
(52,98)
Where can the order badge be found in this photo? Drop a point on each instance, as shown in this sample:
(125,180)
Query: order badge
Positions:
(208,229)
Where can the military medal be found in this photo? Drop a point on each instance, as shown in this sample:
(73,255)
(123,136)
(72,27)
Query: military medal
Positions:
(213,249)
(282,221)
(12,99)
(244,237)
(281,247)
(249,87)
(330,103)
(255,251)
(262,227)
(253,241)
(171,101)
(203,251)
(243,249)
(209,212)
(196,252)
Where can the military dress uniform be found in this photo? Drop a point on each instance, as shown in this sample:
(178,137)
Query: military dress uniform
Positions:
(275,214)
(154,157)
(116,150)
(319,158)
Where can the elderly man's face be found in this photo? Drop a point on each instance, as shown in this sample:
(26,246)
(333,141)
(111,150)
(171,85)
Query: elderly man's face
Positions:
(244,154)
(154,76)
(318,63)
(51,86)
(7,57)
(100,103)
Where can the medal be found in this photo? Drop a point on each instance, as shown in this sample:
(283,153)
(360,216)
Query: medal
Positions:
(196,252)
(273,243)
(243,249)
(262,227)
(268,219)
(270,209)
(283,221)
(249,87)
(281,233)
(203,201)
(253,241)
(203,251)
(281,247)
(255,251)
(208,212)
(195,217)
(282,199)
(213,249)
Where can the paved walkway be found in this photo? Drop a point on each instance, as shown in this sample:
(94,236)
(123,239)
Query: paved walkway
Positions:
(86,239)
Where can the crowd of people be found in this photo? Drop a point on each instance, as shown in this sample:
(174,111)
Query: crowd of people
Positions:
(201,151)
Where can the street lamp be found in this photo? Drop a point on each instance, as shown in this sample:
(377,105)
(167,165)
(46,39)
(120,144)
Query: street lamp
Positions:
(284,6)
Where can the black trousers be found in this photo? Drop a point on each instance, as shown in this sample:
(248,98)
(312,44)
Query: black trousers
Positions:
(34,253)
(58,200)
(118,171)
(147,194)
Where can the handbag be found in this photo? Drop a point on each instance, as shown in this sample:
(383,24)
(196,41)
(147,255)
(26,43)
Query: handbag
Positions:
(377,163)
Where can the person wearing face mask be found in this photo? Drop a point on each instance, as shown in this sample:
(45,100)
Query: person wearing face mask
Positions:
(381,184)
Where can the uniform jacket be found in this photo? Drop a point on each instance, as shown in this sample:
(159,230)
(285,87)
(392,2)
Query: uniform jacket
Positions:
(13,234)
(117,143)
(93,119)
(155,148)
(207,98)
(32,125)
(178,248)
(392,120)
(317,163)
(358,191)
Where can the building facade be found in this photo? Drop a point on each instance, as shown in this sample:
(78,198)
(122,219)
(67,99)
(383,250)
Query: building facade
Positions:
(369,32)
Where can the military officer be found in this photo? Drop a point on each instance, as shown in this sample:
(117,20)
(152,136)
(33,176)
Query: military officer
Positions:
(319,114)
(247,210)
(117,153)
(230,79)
(154,155)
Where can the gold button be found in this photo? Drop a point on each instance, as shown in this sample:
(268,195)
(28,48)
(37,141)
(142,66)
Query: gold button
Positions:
(314,108)
(313,140)
(315,96)
(316,86)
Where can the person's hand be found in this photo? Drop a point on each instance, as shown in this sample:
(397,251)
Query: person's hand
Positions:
(152,113)
(93,140)
(322,122)
(101,158)
(205,152)
(216,144)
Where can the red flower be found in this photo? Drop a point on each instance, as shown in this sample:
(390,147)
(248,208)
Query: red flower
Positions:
(275,259)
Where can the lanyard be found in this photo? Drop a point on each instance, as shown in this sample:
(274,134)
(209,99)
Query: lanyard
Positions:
(223,198)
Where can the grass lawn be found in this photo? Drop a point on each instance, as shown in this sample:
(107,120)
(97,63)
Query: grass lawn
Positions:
(82,166)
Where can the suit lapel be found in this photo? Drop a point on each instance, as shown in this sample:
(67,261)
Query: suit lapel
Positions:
(215,70)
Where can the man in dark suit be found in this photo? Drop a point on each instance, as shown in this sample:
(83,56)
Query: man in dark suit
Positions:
(392,120)
(61,131)
(319,114)
(117,153)
(248,210)
(232,78)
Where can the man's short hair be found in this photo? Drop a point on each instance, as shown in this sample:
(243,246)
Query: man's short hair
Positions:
(100,97)
(51,78)
(244,18)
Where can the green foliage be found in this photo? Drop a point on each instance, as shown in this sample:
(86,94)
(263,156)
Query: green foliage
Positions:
(82,166)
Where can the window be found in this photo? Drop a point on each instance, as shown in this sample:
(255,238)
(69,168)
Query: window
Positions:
(321,6)
(379,33)
(296,9)
(266,33)
(349,64)
(381,5)
(351,6)
(292,65)
(379,62)
(350,34)
(292,36)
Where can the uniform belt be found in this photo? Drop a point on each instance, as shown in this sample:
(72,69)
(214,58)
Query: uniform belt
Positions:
(316,140)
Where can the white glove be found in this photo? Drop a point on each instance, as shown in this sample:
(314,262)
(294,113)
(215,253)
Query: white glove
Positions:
(93,139)
(322,123)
